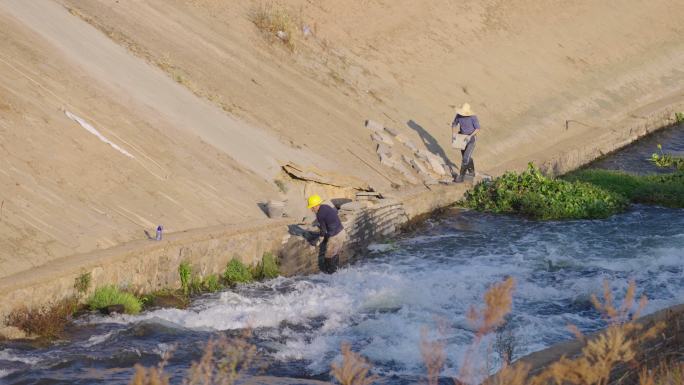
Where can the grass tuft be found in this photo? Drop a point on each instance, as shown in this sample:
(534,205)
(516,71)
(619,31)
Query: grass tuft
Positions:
(110,295)
(236,272)
(185,273)
(267,268)
(679,117)
(275,22)
(82,283)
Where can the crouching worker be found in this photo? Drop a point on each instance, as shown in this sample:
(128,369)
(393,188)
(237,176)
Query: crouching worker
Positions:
(332,232)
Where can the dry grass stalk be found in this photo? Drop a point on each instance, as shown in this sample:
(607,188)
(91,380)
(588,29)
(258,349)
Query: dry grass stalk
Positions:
(665,374)
(354,369)
(434,356)
(510,375)
(148,376)
(47,322)
(498,301)
(223,362)
(618,344)
(276,22)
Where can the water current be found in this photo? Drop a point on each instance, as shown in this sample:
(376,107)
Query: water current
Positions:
(381,304)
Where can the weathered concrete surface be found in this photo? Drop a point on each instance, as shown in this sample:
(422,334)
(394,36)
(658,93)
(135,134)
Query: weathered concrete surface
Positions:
(669,343)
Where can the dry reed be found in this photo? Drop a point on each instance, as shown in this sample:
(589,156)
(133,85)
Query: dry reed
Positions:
(354,369)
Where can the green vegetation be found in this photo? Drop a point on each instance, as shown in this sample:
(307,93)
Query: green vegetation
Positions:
(212,283)
(667,160)
(185,272)
(534,195)
(82,283)
(193,284)
(236,272)
(166,298)
(267,268)
(663,190)
(679,117)
(110,295)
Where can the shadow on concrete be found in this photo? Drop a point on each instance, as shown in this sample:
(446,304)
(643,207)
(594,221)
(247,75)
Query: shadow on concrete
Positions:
(431,143)
(338,202)
(264,207)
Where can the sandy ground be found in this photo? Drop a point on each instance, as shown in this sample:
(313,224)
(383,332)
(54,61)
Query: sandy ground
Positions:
(209,107)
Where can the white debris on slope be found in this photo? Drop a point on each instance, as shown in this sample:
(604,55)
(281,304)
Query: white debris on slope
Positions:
(95,132)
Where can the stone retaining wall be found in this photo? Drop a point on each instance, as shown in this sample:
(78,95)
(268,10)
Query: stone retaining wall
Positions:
(146,266)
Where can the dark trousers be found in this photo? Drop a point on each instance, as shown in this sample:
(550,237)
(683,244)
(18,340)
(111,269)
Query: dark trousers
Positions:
(327,265)
(467,162)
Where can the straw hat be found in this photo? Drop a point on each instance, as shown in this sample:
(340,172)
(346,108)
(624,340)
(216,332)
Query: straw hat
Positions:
(465,110)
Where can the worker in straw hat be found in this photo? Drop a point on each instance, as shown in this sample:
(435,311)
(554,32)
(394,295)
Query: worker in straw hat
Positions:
(332,231)
(467,125)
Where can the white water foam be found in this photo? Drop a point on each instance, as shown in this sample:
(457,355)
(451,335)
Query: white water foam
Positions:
(14,356)
(98,339)
(381,305)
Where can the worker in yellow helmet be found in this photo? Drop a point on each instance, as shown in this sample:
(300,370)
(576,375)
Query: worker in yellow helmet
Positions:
(332,231)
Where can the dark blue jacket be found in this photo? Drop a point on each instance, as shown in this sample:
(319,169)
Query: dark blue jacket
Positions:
(329,221)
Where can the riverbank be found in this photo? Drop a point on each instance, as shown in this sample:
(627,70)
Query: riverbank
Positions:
(146,266)
(161,117)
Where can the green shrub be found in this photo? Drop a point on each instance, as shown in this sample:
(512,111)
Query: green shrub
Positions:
(236,272)
(82,283)
(663,190)
(267,268)
(679,117)
(534,195)
(667,160)
(110,295)
(212,283)
(185,272)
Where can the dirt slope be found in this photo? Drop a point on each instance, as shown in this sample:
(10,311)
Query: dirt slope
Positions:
(208,107)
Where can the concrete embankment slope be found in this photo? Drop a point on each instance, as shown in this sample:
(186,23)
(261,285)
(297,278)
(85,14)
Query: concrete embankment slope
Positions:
(180,113)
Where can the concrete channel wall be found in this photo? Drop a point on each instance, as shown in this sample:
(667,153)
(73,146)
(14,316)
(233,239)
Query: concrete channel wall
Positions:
(146,266)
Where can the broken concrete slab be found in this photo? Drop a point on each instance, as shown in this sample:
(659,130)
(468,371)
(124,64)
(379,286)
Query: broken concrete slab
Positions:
(386,159)
(382,137)
(383,149)
(354,206)
(374,126)
(436,165)
(392,131)
(403,139)
(419,166)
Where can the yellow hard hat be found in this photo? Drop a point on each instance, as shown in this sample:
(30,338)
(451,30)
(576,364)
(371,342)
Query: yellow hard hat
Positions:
(314,201)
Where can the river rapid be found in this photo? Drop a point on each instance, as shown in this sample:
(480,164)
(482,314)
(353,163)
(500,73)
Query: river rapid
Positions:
(423,280)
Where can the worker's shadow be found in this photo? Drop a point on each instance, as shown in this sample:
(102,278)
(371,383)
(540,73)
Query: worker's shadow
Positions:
(430,142)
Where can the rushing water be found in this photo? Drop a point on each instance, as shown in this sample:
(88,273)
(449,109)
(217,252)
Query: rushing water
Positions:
(381,304)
